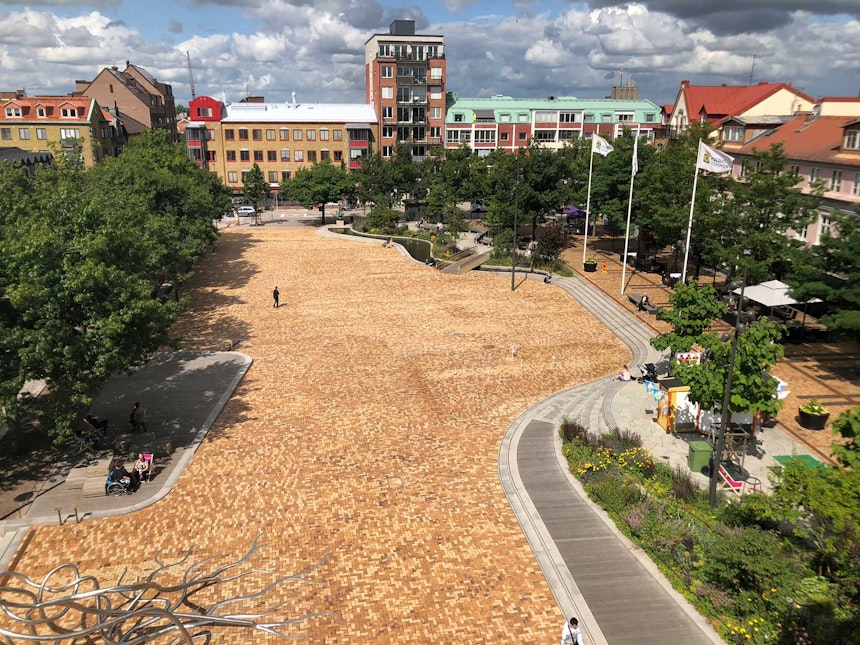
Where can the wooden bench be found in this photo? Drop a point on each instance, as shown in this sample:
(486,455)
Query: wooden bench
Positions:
(649,308)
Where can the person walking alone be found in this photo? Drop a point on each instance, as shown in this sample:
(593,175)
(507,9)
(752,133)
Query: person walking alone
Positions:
(570,634)
(276,294)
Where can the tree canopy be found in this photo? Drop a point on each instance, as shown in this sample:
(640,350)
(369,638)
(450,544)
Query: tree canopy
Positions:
(321,183)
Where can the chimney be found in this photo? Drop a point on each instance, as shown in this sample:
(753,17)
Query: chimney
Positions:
(294,98)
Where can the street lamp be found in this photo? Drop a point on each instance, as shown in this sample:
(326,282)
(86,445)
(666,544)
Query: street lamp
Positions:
(516,211)
(717,455)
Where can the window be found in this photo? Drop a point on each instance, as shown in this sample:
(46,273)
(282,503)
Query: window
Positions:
(285,134)
(271,155)
(564,135)
(41,134)
(649,118)
(338,155)
(298,155)
(285,175)
(387,131)
(68,112)
(204,111)
(210,155)
(856,191)
(323,134)
(258,134)
(387,151)
(801,235)
(436,132)
(436,72)
(24,134)
(545,135)
(567,117)
(14,112)
(6,134)
(232,176)
(285,154)
(523,118)
(794,170)
(387,71)
(814,174)
(435,92)
(325,155)
(258,155)
(297,135)
(624,117)
(456,136)
(229,134)
(245,155)
(852,140)
(504,118)
(388,92)
(245,175)
(824,224)
(504,136)
(588,118)
(231,155)
(70,133)
(542,116)
(733,133)
(435,113)
(311,135)
(273,176)
(337,135)
(485,136)
(522,136)
(387,113)
(835,180)
(418,151)
(458,118)
(243,134)
(606,118)
(385,50)
(40,111)
(312,156)
(270,134)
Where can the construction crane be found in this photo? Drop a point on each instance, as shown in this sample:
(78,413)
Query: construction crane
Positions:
(190,75)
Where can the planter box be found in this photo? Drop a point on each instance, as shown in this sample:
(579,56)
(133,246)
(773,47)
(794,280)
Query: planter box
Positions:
(589,268)
(812,421)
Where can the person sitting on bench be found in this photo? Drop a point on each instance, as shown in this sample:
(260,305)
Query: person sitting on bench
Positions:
(644,302)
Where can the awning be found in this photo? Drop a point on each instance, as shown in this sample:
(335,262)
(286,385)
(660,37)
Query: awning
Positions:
(485,114)
(573,211)
(357,126)
(772,293)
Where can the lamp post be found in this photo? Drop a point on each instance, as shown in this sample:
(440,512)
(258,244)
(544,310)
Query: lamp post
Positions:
(717,455)
(516,211)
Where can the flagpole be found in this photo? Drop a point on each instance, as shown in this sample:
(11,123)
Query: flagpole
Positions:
(588,204)
(690,225)
(633,168)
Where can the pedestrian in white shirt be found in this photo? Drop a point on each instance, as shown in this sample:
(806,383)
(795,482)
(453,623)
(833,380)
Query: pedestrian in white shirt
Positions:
(570,634)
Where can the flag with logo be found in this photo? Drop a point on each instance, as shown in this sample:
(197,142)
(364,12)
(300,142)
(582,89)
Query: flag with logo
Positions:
(635,156)
(713,160)
(600,145)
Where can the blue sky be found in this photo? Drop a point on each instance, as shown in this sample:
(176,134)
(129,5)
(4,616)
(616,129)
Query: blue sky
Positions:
(522,48)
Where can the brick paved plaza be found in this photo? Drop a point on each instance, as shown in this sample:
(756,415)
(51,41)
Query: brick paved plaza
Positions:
(368,429)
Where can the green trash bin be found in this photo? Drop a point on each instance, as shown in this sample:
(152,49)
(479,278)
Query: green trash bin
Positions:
(699,457)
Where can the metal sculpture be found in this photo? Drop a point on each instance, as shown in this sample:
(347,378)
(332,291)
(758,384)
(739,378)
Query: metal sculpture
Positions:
(149,609)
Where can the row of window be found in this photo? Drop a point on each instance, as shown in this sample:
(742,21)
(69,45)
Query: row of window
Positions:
(272,175)
(66,112)
(272,155)
(834,183)
(552,116)
(413,52)
(310,134)
(736,134)
(6,134)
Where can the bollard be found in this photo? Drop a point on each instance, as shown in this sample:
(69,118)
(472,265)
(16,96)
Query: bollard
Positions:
(59,510)
(77,519)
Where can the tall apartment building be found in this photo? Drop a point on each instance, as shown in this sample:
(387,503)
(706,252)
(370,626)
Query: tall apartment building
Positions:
(279,137)
(485,124)
(133,92)
(31,123)
(405,83)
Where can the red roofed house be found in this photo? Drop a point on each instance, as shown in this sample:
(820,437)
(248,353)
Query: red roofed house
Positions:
(713,103)
(821,145)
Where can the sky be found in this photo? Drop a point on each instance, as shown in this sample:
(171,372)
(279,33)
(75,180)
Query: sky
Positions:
(519,48)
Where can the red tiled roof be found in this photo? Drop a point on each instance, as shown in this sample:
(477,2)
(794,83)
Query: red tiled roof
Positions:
(667,109)
(28,103)
(722,100)
(816,139)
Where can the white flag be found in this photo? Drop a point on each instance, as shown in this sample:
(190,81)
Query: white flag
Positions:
(713,160)
(600,145)
(635,156)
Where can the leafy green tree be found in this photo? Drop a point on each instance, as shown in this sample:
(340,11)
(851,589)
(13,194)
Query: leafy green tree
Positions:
(692,310)
(383,219)
(321,183)
(256,189)
(551,241)
(847,425)
(752,388)
(831,271)
(375,182)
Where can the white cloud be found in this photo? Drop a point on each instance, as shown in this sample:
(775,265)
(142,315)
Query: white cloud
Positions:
(545,53)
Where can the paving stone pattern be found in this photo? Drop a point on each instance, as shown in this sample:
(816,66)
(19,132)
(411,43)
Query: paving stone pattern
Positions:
(367,429)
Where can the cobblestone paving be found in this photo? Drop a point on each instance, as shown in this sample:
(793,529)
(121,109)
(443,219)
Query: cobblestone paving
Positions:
(368,429)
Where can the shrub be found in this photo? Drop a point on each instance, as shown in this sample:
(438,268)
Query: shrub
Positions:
(614,493)
(384,219)
(570,430)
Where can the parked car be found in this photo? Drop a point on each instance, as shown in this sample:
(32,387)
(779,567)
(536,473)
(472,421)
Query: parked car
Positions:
(246,211)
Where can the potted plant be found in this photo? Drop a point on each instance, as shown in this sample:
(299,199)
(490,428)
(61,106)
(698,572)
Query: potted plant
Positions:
(813,415)
(590,265)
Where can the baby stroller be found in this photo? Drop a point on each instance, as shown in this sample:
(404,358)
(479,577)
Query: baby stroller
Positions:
(647,372)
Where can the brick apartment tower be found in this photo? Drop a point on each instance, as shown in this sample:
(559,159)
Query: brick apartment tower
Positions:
(405,80)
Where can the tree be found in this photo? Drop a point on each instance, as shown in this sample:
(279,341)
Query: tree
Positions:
(847,425)
(692,310)
(256,189)
(551,241)
(752,388)
(321,183)
(831,271)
